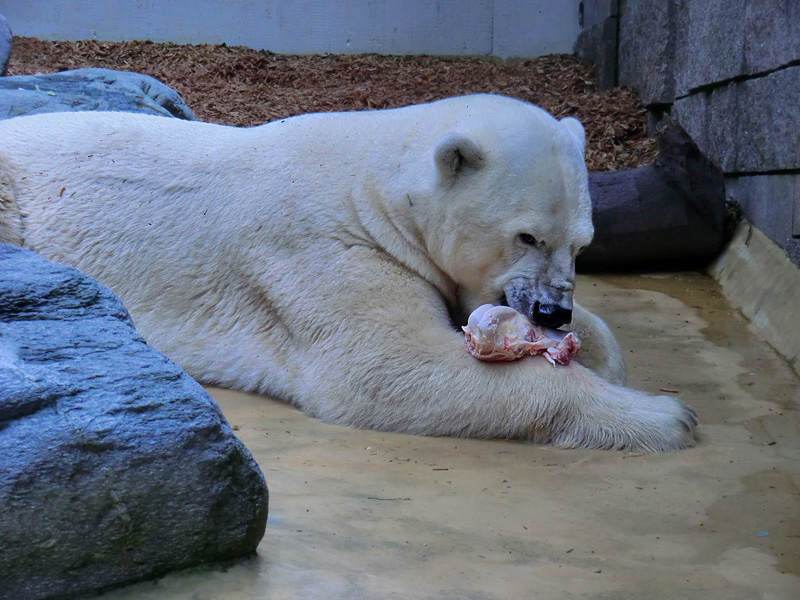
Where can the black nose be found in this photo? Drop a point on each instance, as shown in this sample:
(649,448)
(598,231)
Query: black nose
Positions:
(551,315)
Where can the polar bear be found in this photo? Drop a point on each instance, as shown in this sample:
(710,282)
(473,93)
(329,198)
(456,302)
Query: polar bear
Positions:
(328,259)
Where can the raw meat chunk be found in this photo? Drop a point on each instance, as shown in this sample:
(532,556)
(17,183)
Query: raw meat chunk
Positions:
(500,333)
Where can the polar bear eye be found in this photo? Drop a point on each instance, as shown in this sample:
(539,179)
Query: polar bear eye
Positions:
(528,239)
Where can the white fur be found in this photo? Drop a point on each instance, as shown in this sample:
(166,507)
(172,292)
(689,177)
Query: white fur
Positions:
(322,259)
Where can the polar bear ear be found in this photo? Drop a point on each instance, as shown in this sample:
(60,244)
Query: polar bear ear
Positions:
(576,130)
(456,151)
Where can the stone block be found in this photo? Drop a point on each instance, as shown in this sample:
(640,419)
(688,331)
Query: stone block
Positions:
(725,39)
(771,202)
(598,40)
(594,12)
(747,126)
(647,31)
(598,45)
(669,49)
(115,465)
(772,39)
(796,210)
(712,47)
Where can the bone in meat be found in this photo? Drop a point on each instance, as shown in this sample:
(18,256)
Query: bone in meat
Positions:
(500,333)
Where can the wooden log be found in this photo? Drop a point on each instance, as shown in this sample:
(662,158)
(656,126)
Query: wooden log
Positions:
(667,215)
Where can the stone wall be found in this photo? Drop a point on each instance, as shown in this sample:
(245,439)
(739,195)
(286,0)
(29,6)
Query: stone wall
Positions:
(729,72)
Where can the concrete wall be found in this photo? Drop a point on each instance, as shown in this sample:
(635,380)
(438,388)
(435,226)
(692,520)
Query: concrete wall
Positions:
(504,28)
(729,72)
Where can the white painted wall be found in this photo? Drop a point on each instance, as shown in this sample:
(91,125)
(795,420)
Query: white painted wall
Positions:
(502,28)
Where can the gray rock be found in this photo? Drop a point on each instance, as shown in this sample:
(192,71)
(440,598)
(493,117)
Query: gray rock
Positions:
(89,89)
(5,44)
(116,466)
(747,126)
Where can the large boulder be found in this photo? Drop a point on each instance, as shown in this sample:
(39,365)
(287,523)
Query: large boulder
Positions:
(116,465)
(89,89)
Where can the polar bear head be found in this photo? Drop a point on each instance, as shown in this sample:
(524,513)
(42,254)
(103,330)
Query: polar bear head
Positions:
(513,208)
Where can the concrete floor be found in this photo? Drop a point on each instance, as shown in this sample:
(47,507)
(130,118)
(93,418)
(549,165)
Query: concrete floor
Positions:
(359,514)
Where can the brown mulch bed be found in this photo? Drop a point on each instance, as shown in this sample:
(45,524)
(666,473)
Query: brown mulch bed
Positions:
(244,87)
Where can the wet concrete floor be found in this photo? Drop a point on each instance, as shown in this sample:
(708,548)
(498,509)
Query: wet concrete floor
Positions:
(369,515)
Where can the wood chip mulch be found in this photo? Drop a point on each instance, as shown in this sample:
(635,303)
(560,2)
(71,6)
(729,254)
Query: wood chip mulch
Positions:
(245,87)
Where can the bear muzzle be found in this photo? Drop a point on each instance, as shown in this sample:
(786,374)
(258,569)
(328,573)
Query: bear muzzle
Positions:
(546,305)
